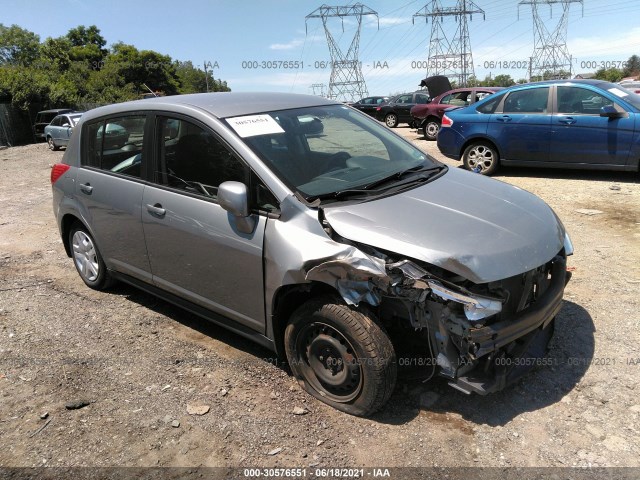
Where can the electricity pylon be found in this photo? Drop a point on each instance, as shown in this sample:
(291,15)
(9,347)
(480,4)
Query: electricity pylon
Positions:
(451,58)
(318,88)
(550,57)
(346,81)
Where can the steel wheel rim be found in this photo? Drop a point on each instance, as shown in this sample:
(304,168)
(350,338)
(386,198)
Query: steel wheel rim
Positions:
(85,256)
(50,142)
(329,362)
(391,120)
(432,129)
(481,157)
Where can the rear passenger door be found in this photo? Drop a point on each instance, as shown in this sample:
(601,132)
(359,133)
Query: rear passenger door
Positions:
(521,125)
(109,189)
(195,249)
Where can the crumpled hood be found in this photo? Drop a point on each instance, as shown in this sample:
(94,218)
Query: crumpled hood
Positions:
(468,224)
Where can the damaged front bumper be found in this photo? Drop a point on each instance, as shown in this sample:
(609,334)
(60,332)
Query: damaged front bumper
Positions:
(506,350)
(479,342)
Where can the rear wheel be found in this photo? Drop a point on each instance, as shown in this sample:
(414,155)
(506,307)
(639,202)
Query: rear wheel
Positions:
(87,259)
(52,144)
(481,157)
(431,129)
(391,120)
(341,356)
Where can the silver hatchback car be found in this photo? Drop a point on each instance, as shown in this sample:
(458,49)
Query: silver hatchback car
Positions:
(305,225)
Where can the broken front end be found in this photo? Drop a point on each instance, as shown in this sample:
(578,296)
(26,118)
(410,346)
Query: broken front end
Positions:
(481,337)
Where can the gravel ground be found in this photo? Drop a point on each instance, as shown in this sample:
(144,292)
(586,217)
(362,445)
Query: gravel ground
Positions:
(140,365)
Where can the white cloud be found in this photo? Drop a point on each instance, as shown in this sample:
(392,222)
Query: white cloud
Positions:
(295,43)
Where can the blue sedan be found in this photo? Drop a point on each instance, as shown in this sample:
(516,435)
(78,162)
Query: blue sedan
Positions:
(560,123)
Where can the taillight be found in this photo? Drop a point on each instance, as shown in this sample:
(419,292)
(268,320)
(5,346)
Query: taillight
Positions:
(378,109)
(57,171)
(446,121)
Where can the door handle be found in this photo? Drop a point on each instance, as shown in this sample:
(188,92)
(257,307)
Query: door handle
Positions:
(86,188)
(568,120)
(504,118)
(156,210)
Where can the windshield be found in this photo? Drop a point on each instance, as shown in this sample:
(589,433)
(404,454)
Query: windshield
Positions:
(324,150)
(621,92)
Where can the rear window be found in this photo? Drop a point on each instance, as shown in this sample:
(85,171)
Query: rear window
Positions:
(115,145)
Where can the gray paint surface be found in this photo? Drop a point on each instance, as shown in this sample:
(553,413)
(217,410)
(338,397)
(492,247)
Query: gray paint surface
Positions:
(463,222)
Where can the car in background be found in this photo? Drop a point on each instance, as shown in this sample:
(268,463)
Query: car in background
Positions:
(398,109)
(43,118)
(559,123)
(427,117)
(368,105)
(58,132)
(634,86)
(233,207)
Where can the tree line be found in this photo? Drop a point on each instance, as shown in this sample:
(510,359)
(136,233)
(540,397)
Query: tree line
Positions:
(77,69)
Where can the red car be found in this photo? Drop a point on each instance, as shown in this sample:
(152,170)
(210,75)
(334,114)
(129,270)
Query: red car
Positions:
(428,117)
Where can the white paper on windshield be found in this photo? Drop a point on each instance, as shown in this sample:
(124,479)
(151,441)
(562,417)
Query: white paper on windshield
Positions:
(618,92)
(252,125)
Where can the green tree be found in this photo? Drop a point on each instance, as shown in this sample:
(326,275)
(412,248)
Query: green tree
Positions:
(18,46)
(503,80)
(87,45)
(632,69)
(610,74)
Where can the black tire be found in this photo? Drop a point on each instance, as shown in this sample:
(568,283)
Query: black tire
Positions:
(391,120)
(341,356)
(52,145)
(87,259)
(481,157)
(431,129)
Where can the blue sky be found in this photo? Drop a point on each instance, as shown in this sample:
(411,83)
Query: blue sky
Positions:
(234,35)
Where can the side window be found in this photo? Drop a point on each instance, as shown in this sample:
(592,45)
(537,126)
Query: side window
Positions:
(404,99)
(55,122)
(446,99)
(65,122)
(421,98)
(379,101)
(193,159)
(490,105)
(481,95)
(532,100)
(367,101)
(115,145)
(581,100)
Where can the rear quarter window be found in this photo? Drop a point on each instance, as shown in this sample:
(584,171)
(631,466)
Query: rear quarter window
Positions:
(490,105)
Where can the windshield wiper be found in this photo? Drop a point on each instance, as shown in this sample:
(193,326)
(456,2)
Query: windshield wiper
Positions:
(369,189)
(398,175)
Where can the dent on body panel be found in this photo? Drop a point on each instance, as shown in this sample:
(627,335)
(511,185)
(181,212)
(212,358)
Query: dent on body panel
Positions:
(298,250)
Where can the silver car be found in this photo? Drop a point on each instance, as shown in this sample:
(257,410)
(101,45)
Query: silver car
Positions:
(307,226)
(58,132)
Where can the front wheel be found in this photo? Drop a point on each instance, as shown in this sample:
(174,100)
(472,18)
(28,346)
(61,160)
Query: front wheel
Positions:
(391,120)
(481,157)
(87,259)
(341,356)
(431,129)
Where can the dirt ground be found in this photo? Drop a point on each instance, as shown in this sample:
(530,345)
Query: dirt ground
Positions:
(141,363)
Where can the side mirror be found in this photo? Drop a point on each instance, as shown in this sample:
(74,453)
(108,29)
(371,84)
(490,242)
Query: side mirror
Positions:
(234,198)
(611,112)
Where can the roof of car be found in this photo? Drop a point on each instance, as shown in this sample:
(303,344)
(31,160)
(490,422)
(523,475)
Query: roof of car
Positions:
(221,104)
(57,110)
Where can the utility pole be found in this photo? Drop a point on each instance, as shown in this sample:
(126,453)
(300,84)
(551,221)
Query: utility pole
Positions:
(346,81)
(451,58)
(550,54)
